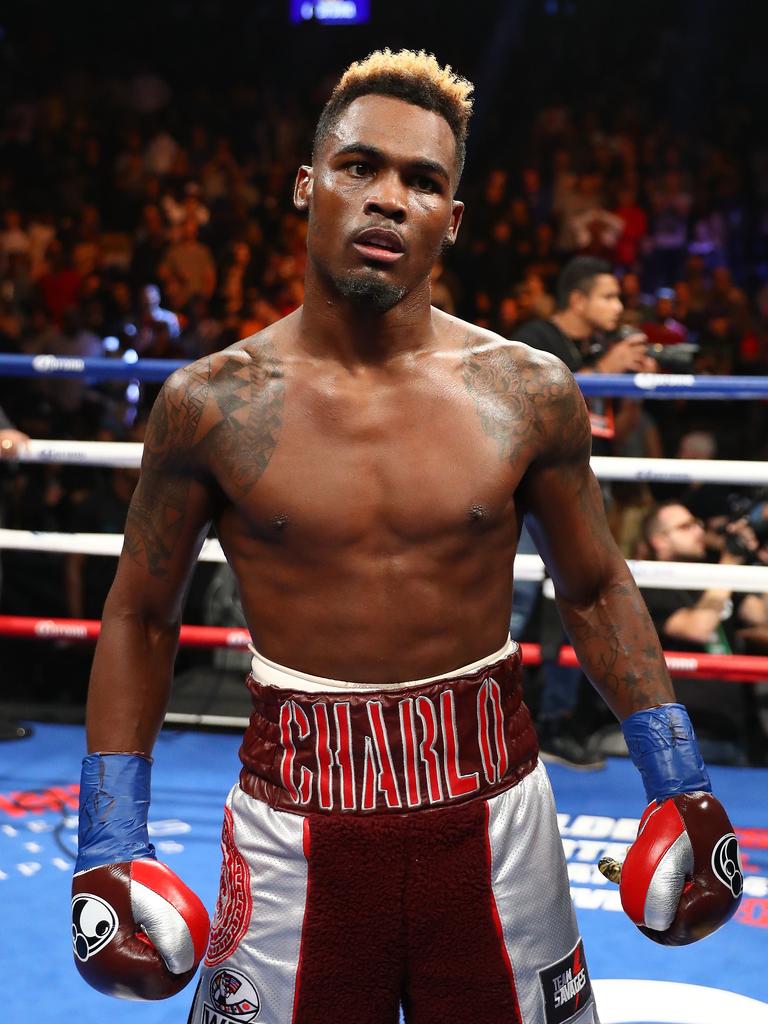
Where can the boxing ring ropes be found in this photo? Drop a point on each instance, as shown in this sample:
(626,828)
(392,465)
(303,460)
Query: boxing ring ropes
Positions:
(667,575)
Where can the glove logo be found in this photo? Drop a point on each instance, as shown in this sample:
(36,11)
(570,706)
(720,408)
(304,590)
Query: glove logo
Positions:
(233,995)
(726,864)
(94,923)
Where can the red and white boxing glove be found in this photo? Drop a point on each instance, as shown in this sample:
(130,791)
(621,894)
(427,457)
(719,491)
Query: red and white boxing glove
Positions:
(138,932)
(682,878)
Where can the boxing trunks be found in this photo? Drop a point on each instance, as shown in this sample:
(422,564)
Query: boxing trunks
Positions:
(390,848)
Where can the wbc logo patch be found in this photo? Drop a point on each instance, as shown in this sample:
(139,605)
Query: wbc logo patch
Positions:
(565,986)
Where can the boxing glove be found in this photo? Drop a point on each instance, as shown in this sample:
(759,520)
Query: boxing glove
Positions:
(137,931)
(682,878)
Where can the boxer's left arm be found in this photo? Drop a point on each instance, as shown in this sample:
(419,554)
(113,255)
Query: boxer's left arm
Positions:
(138,932)
(681,879)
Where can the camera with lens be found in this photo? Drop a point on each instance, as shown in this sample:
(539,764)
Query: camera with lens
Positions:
(677,358)
(754,510)
(673,358)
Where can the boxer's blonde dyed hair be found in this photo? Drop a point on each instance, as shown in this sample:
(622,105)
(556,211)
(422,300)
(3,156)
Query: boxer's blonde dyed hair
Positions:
(410,75)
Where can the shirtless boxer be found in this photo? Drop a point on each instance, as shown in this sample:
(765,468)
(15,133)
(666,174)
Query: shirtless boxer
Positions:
(367,462)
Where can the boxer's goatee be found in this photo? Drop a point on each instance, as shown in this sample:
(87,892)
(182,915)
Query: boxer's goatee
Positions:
(370,292)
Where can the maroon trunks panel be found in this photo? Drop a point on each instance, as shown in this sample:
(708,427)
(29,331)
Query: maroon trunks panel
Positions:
(402,908)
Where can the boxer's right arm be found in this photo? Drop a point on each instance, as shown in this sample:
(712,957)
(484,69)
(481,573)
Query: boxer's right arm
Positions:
(137,930)
(167,522)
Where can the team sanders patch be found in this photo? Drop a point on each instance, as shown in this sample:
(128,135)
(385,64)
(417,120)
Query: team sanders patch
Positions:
(565,986)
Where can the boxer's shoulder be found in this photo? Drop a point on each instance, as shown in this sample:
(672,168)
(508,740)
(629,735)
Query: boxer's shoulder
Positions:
(212,398)
(512,368)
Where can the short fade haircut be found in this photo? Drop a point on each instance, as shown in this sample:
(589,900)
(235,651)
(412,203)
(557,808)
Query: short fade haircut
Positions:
(651,526)
(579,276)
(415,77)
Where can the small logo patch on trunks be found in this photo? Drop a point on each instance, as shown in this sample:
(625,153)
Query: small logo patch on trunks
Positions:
(565,986)
(234,999)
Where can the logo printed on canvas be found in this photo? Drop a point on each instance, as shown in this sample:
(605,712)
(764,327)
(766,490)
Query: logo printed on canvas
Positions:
(234,903)
(94,924)
(233,995)
(565,986)
(727,865)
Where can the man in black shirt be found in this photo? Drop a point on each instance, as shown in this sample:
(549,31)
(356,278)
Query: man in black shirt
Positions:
(706,621)
(588,306)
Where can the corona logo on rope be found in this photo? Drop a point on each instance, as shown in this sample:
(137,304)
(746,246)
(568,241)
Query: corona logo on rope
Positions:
(650,381)
(50,364)
(49,628)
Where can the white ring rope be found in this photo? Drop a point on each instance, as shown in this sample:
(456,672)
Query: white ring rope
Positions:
(748,579)
(721,471)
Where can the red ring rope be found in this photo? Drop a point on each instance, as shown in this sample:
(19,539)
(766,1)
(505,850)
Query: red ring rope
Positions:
(732,667)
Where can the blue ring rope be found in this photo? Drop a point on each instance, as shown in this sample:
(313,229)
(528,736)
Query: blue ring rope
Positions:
(641,385)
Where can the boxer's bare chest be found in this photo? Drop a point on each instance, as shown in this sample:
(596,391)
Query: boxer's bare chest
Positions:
(427,448)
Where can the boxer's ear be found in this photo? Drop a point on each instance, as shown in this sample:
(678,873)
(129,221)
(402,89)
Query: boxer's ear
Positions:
(302,190)
(453,228)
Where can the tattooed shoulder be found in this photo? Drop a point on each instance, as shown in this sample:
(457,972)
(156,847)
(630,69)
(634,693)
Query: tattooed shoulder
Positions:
(525,399)
(247,398)
(216,418)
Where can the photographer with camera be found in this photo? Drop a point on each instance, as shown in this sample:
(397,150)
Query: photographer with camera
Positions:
(711,621)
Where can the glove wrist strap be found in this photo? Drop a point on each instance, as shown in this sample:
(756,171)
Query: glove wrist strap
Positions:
(663,748)
(114,804)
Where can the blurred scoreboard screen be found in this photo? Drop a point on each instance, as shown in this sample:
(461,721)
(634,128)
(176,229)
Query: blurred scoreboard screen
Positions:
(330,12)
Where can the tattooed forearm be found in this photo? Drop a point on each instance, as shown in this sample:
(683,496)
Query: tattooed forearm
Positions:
(618,648)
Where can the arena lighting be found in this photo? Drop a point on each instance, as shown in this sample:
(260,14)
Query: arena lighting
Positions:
(330,12)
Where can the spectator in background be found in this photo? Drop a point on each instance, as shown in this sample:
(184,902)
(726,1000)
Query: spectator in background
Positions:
(707,621)
(589,308)
(190,262)
(633,231)
(151,243)
(60,284)
(151,317)
(661,326)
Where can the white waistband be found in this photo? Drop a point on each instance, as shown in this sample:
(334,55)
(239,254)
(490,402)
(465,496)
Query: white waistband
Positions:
(272,674)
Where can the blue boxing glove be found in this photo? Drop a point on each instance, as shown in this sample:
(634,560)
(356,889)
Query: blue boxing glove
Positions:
(137,931)
(682,878)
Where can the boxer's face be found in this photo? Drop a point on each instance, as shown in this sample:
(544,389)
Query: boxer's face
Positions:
(380,200)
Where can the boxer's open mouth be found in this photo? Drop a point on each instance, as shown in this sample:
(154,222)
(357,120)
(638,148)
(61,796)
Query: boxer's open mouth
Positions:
(381,244)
